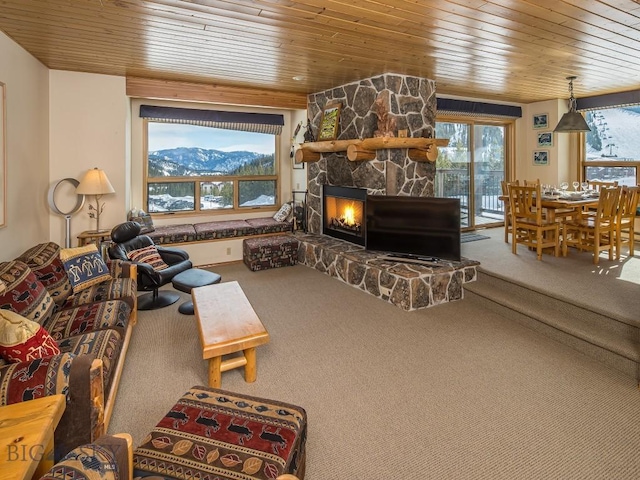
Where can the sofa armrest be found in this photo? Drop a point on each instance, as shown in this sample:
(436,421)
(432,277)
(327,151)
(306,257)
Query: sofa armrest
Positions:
(122,269)
(109,457)
(121,444)
(78,377)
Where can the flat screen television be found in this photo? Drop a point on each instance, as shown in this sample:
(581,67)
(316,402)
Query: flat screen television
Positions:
(420,228)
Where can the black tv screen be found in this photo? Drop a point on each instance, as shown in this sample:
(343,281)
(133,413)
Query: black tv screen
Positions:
(425,228)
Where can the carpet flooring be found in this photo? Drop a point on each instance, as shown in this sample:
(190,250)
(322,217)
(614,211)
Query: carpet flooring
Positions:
(450,392)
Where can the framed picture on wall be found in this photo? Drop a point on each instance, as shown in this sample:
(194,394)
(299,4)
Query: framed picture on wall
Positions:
(545,139)
(330,122)
(541,120)
(541,157)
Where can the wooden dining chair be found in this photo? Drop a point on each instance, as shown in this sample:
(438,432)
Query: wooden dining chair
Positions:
(598,185)
(594,233)
(528,225)
(625,218)
(507,210)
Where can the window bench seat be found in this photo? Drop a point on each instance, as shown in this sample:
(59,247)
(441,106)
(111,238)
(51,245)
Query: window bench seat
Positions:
(220,230)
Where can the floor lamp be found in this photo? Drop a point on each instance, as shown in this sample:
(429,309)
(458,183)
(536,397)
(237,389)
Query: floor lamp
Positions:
(67,215)
(96,183)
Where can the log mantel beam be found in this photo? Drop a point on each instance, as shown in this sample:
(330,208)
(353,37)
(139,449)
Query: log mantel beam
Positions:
(420,149)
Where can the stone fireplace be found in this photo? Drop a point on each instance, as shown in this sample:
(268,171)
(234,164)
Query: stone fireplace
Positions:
(412,102)
(339,214)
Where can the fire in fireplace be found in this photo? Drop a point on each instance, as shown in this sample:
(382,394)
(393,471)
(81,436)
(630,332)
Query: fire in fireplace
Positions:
(344,213)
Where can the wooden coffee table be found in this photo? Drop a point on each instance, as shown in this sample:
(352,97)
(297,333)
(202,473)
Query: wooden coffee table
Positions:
(228,324)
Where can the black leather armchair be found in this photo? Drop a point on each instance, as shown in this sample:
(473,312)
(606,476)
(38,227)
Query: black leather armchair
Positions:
(126,238)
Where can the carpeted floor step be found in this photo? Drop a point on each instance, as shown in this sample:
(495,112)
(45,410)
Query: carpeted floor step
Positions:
(613,341)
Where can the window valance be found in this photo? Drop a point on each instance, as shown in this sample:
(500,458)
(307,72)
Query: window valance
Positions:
(469,108)
(610,100)
(243,121)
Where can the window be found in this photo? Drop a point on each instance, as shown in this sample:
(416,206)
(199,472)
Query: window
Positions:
(611,148)
(209,160)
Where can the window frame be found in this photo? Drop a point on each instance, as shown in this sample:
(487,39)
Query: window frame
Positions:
(509,125)
(235,179)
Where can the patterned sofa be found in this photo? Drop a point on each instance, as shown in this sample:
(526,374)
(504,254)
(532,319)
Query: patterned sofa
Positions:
(91,327)
(108,458)
(220,230)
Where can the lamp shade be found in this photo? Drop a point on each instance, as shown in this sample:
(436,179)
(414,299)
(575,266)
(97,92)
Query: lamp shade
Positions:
(94,182)
(572,122)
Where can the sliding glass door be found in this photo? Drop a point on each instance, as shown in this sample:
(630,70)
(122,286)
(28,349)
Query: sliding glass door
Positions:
(471,168)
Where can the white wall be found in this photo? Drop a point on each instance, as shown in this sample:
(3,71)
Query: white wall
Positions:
(299,176)
(89,115)
(27,146)
(562,163)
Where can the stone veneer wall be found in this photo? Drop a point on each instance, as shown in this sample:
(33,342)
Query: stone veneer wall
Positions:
(412,102)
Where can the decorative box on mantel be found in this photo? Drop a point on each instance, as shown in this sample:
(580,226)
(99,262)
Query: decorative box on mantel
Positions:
(406,285)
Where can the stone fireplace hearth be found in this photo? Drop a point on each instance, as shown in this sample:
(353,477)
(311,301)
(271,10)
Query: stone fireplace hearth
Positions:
(405,285)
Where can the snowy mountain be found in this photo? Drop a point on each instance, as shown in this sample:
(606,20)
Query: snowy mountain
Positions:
(184,161)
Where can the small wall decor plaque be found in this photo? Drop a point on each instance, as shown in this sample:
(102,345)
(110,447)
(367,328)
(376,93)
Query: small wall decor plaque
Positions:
(545,139)
(541,157)
(330,121)
(541,120)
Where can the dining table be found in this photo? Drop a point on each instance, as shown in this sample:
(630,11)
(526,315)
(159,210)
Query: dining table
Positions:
(552,204)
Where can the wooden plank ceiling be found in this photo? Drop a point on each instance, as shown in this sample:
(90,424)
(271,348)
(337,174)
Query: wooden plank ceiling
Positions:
(509,50)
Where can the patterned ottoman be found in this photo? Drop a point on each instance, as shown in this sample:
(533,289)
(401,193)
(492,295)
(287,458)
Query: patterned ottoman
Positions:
(213,434)
(270,252)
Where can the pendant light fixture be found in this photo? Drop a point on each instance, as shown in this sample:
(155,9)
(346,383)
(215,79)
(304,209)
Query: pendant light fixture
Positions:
(572,121)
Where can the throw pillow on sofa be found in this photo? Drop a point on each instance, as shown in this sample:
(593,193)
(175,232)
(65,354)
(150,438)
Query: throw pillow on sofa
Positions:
(44,261)
(23,340)
(84,266)
(24,293)
(148,255)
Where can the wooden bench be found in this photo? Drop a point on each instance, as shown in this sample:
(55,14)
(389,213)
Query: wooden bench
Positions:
(228,324)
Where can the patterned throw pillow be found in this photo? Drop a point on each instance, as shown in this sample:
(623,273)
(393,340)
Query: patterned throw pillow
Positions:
(84,266)
(23,340)
(24,293)
(283,214)
(148,255)
(44,261)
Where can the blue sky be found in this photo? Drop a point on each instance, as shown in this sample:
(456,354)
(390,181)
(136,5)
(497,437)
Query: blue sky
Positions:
(170,135)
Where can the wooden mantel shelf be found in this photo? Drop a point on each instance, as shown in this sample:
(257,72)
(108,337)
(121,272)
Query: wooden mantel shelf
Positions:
(420,149)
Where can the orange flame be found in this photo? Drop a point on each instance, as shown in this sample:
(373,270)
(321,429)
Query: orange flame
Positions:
(349,215)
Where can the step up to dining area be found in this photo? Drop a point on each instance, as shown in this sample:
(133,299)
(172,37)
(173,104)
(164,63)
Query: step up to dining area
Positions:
(599,333)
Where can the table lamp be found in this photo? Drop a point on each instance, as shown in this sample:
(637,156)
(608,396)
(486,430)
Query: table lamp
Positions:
(95,182)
